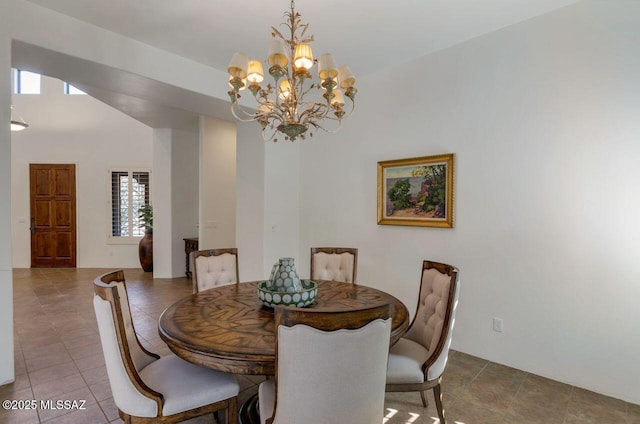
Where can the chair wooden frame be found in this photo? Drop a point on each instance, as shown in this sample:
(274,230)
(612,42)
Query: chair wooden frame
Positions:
(324,320)
(336,251)
(452,272)
(210,252)
(104,288)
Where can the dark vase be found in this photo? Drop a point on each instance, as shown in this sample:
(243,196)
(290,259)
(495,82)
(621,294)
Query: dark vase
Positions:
(145,251)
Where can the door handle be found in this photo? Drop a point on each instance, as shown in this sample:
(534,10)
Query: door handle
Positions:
(33,225)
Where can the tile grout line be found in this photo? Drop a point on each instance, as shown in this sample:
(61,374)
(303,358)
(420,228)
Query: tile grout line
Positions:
(566,409)
(66,348)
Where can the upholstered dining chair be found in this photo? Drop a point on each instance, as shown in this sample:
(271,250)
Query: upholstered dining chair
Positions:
(318,355)
(334,263)
(214,267)
(148,388)
(418,359)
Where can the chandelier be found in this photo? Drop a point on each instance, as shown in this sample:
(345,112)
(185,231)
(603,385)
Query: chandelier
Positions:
(295,102)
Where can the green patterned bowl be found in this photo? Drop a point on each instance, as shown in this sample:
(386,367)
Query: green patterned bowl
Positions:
(300,298)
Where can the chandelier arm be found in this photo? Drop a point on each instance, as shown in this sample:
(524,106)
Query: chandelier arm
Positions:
(320,127)
(269,105)
(275,118)
(250,117)
(305,92)
(247,117)
(272,112)
(264,137)
(353,107)
(316,110)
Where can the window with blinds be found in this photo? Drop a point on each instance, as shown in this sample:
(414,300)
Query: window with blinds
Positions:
(130,190)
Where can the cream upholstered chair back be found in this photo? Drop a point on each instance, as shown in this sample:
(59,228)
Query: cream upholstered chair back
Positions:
(214,267)
(124,355)
(334,263)
(418,359)
(148,388)
(432,325)
(331,367)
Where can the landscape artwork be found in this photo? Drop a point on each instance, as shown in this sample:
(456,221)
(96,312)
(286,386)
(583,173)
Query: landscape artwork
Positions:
(416,191)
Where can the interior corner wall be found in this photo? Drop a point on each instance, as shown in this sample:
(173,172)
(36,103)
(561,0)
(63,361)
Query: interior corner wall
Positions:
(161,195)
(217,187)
(542,117)
(184,199)
(7,372)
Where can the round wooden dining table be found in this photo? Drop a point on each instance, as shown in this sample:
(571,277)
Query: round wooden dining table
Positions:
(228,329)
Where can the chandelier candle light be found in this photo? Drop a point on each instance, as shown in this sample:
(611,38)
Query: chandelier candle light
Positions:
(283,108)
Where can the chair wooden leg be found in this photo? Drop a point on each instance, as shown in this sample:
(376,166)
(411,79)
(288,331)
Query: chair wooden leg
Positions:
(424,399)
(126,419)
(232,411)
(437,394)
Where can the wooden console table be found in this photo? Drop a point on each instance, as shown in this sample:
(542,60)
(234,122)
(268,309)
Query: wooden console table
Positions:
(190,244)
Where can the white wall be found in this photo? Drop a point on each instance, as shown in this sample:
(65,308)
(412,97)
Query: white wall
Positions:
(76,129)
(184,199)
(543,120)
(250,186)
(161,198)
(6,275)
(175,197)
(282,203)
(217,215)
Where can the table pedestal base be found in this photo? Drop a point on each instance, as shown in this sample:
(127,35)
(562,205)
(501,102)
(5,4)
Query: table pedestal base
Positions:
(249,411)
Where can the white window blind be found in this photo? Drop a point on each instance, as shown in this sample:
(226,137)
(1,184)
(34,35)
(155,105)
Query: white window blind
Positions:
(130,190)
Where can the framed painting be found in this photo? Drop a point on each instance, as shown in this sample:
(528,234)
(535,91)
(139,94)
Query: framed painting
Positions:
(416,191)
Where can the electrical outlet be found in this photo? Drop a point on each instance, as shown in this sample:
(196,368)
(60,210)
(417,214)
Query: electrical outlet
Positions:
(497,325)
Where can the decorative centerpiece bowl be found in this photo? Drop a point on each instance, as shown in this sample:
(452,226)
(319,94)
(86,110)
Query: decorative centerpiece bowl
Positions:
(299,298)
(284,287)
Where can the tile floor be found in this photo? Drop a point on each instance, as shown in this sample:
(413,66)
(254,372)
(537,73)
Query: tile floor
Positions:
(58,356)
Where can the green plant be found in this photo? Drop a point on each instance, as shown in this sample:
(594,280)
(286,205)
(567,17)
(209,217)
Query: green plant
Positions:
(146,218)
(399,194)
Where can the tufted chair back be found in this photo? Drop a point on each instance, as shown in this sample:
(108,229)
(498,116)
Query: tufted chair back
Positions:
(334,263)
(433,322)
(417,361)
(214,267)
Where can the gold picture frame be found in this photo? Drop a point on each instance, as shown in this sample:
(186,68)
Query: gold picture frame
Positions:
(416,191)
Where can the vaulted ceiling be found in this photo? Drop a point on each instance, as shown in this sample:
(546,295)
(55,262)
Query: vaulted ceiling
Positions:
(367,35)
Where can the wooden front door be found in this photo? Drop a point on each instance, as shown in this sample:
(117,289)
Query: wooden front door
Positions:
(53,215)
